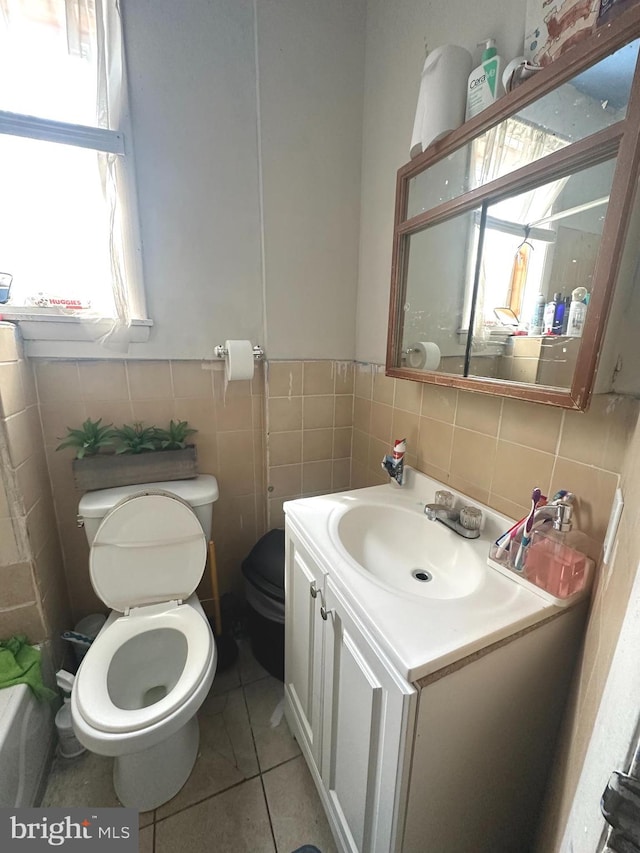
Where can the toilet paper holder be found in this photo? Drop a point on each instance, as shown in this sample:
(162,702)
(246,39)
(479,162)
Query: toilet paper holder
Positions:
(221,352)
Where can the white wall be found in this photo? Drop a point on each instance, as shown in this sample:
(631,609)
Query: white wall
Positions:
(395,43)
(311,70)
(200,114)
(193,104)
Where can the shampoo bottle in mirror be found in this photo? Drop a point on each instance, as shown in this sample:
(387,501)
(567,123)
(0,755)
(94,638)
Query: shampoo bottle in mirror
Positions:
(484,85)
(550,314)
(577,312)
(537,318)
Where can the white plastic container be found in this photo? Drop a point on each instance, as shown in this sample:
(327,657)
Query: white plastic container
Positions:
(68,744)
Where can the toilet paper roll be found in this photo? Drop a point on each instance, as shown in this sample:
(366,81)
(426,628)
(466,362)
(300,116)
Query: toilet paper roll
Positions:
(239,360)
(423,355)
(443,95)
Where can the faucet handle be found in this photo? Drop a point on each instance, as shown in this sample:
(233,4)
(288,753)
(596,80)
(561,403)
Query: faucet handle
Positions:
(445,498)
(470,517)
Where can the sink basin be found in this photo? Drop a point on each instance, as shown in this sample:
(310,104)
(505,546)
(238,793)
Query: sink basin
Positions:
(403,550)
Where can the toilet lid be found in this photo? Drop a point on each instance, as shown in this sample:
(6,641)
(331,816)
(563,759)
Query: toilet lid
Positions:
(149,548)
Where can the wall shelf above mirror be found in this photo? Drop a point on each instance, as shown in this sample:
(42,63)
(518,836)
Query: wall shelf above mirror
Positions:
(515,237)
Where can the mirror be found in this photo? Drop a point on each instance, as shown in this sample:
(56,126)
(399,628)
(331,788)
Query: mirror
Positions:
(504,255)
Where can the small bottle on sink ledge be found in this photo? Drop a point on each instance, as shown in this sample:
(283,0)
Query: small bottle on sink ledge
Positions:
(393,464)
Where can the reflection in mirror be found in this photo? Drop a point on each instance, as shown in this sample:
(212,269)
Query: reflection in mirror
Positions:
(538,248)
(439,266)
(525,255)
(591,101)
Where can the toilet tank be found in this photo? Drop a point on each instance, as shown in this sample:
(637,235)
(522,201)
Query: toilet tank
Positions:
(200,493)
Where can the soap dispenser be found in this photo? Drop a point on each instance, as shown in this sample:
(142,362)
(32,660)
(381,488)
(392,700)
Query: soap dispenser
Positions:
(484,86)
(68,744)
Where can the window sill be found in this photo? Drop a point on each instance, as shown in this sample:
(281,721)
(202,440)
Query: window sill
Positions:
(47,334)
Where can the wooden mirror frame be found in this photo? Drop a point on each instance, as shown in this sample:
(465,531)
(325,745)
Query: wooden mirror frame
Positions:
(622,138)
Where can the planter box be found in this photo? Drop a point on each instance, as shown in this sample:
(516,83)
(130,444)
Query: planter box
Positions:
(105,471)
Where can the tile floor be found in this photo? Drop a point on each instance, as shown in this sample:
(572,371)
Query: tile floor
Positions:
(250,789)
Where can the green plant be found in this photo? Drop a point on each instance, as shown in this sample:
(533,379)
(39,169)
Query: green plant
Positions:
(136,438)
(89,438)
(175,438)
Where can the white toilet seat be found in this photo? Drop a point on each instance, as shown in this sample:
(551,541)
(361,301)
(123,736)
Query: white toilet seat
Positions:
(91,686)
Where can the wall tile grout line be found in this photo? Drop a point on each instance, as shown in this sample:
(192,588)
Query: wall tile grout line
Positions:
(499,430)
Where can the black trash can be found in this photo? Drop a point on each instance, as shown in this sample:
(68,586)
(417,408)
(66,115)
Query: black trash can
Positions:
(263,572)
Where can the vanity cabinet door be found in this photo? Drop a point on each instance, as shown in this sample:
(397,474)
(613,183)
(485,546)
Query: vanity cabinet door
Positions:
(304,583)
(367,709)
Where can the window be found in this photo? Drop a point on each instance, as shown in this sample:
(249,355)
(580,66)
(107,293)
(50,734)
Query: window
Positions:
(67,223)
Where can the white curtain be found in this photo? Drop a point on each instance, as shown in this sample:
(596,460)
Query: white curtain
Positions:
(116,172)
(90,30)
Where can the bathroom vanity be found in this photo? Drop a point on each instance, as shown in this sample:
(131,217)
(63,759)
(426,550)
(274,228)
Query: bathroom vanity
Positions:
(427,710)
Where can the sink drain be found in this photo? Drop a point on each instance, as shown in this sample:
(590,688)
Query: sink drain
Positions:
(422,575)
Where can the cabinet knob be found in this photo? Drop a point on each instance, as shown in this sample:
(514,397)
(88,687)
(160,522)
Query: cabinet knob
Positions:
(313,590)
(325,613)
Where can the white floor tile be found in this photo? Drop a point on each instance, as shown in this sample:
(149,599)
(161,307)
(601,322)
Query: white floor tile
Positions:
(274,741)
(145,842)
(84,781)
(226,755)
(235,820)
(297,815)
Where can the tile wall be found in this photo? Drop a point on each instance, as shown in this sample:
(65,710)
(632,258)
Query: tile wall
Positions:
(309,430)
(495,450)
(608,608)
(299,428)
(33,589)
(230,423)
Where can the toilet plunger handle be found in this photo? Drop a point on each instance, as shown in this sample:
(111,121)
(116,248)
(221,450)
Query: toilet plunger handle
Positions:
(215,590)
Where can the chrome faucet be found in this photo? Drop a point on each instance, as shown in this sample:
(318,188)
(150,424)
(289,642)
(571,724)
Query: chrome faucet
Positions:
(465,521)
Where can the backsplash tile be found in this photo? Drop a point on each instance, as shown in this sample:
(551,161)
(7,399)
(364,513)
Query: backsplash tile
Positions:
(229,418)
(298,428)
(495,450)
(309,430)
(531,424)
(478,412)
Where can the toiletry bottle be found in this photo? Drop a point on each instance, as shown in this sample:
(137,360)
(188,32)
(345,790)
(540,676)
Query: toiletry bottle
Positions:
(537,318)
(577,312)
(484,84)
(558,314)
(550,313)
(565,315)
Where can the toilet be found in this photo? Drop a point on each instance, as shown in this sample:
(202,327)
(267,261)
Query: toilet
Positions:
(146,674)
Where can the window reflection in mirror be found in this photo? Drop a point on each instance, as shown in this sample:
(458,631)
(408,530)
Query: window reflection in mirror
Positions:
(517,254)
(591,101)
(538,248)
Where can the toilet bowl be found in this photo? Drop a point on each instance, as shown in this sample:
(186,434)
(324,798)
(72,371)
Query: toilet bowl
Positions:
(144,677)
